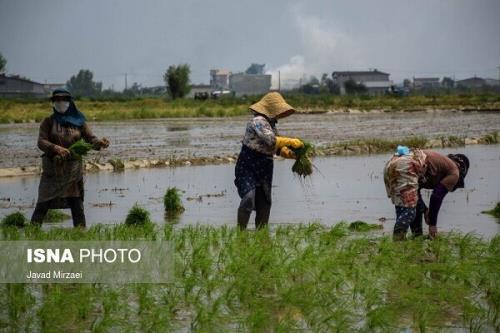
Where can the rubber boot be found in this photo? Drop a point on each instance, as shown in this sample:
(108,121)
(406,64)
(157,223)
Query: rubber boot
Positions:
(39,213)
(262,208)
(243,218)
(77,212)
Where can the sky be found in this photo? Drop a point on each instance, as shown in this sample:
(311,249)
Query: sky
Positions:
(51,40)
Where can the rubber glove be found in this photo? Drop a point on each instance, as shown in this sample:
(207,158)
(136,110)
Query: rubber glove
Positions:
(282,141)
(286,152)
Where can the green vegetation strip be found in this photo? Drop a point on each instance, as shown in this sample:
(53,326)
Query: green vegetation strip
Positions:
(308,278)
(12,110)
(376,146)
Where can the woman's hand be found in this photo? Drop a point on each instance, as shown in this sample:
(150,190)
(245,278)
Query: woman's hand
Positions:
(103,143)
(61,151)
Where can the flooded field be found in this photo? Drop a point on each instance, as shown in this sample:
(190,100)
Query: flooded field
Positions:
(342,188)
(197,137)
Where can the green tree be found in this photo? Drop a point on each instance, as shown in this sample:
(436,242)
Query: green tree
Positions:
(82,84)
(353,87)
(447,82)
(177,80)
(3,62)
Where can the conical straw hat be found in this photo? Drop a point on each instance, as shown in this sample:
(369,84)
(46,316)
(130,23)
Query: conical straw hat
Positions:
(272,105)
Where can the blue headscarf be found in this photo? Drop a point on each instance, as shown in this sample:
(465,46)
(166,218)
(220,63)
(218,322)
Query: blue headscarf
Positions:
(72,116)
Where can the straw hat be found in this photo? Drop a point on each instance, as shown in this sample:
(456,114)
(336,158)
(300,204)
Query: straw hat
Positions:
(272,105)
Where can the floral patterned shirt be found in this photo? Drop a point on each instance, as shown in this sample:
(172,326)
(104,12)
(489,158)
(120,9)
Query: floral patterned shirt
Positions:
(260,135)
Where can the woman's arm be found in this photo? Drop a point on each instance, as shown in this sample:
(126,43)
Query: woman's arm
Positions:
(43,137)
(89,137)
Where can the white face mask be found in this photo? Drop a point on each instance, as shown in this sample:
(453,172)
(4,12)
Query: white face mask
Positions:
(61,106)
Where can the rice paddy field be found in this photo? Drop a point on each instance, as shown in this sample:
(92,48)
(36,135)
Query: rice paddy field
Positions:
(301,278)
(18,110)
(307,272)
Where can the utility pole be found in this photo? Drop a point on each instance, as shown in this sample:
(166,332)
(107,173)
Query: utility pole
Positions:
(126,81)
(279,80)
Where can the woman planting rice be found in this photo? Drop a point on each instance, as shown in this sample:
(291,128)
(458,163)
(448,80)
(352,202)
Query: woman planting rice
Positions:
(254,169)
(407,172)
(61,185)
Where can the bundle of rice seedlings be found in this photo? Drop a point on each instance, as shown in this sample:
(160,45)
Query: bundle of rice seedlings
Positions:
(117,164)
(172,201)
(303,165)
(363,226)
(16,219)
(495,211)
(137,216)
(80,149)
(55,215)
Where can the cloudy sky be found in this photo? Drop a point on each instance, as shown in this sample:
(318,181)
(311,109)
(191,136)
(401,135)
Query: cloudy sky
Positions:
(50,40)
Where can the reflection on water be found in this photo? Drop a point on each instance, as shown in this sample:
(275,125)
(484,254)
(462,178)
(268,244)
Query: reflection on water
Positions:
(342,188)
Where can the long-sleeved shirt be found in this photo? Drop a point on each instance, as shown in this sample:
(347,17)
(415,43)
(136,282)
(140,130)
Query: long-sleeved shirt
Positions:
(52,133)
(260,136)
(440,169)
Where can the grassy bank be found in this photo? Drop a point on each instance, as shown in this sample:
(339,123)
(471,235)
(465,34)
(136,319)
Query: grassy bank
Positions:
(310,278)
(145,108)
(377,146)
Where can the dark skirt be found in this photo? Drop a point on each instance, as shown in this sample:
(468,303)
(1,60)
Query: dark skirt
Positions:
(59,181)
(253,169)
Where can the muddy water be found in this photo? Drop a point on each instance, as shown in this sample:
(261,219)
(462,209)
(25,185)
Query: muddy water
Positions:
(166,138)
(343,188)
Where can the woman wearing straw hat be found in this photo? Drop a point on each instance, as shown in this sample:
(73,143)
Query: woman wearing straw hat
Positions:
(61,185)
(254,169)
(409,171)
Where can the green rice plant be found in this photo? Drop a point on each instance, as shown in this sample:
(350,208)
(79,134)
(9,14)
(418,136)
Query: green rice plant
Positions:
(172,201)
(78,149)
(303,166)
(117,164)
(490,138)
(494,212)
(363,226)
(305,277)
(55,215)
(16,219)
(137,216)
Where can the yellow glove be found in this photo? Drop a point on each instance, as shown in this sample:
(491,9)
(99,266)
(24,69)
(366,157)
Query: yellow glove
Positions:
(286,152)
(282,141)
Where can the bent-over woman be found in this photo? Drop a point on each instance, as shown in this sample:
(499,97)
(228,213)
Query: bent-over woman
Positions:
(409,171)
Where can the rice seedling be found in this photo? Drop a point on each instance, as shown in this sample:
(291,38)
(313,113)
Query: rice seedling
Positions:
(80,149)
(55,215)
(172,201)
(304,277)
(137,216)
(303,166)
(363,226)
(494,212)
(16,219)
(117,164)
